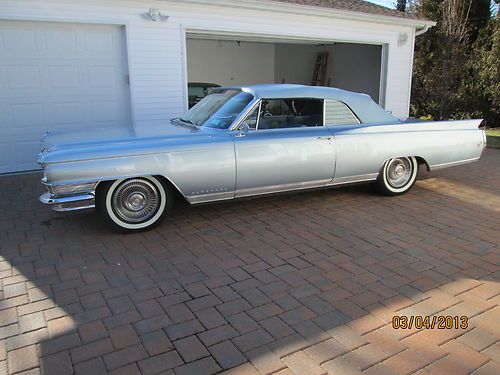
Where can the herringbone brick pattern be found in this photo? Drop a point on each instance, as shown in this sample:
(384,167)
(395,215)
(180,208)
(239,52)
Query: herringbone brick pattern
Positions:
(296,284)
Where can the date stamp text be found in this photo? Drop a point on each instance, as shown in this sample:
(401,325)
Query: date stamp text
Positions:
(430,322)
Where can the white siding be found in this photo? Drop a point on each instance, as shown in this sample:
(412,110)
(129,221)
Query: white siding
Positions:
(157,49)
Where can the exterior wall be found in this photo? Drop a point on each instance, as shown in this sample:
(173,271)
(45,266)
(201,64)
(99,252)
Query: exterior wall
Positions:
(157,51)
(227,63)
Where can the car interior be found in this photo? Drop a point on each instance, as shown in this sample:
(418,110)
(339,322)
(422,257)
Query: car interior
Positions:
(290,113)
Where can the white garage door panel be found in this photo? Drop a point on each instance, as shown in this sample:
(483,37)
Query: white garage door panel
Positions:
(58,76)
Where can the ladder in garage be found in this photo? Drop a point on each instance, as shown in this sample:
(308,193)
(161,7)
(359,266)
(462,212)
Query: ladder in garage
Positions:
(319,75)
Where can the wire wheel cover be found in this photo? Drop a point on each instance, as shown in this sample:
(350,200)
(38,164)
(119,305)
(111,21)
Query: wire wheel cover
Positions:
(136,201)
(399,172)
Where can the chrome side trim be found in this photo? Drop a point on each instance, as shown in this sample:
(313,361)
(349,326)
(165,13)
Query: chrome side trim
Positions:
(212,197)
(452,164)
(281,188)
(205,198)
(353,179)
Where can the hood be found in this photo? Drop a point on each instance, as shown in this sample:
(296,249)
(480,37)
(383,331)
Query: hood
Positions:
(84,145)
(64,139)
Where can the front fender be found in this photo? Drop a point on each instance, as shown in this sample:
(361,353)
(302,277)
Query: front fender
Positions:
(196,172)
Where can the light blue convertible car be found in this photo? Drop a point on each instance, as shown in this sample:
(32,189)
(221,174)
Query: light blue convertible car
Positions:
(244,141)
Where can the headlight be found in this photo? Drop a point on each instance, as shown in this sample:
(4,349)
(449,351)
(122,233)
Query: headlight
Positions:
(62,190)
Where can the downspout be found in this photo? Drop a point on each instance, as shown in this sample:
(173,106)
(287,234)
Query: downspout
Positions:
(422,31)
(417,33)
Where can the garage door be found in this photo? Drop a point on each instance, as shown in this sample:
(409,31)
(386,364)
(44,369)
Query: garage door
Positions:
(58,77)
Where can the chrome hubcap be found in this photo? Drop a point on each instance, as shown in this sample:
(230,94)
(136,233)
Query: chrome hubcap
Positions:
(399,172)
(136,200)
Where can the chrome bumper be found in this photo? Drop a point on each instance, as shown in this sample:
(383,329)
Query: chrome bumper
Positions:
(69,203)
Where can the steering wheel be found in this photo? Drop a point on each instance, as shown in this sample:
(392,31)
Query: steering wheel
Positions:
(267,114)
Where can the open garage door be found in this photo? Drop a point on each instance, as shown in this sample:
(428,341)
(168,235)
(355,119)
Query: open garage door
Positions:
(58,77)
(237,60)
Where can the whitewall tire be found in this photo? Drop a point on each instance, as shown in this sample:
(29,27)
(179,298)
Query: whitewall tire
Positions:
(397,175)
(134,204)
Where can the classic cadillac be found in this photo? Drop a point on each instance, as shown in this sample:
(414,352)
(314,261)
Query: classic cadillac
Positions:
(244,141)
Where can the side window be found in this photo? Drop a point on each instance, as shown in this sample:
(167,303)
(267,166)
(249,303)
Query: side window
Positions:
(337,113)
(290,113)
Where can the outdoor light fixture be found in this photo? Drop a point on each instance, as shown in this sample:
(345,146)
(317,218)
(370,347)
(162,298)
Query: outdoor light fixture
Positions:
(154,15)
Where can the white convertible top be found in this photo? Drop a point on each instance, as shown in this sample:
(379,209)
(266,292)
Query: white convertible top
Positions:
(361,104)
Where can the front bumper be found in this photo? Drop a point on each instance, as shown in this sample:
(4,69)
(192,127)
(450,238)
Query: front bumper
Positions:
(69,203)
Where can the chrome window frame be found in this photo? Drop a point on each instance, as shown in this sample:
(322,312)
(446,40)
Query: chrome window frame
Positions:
(258,103)
(258,114)
(243,115)
(254,106)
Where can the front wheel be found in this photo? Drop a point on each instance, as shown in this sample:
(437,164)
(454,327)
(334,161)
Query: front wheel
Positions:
(397,176)
(134,204)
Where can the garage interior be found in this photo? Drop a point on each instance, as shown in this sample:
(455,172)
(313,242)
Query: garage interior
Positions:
(237,61)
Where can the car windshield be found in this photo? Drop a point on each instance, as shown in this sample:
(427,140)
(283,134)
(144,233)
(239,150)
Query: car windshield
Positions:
(218,110)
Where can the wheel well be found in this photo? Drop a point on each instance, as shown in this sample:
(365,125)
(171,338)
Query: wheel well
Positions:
(421,161)
(101,184)
(174,188)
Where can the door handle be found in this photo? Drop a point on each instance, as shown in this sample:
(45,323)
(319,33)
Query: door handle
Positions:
(329,138)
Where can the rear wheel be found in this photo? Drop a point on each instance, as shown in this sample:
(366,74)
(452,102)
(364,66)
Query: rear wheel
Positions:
(397,176)
(134,204)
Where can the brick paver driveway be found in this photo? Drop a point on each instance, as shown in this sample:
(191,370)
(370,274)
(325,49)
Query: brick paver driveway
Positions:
(302,283)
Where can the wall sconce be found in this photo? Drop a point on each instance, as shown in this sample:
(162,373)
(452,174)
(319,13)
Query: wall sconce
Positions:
(402,39)
(154,15)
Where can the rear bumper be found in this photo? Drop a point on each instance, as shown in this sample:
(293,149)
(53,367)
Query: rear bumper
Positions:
(68,203)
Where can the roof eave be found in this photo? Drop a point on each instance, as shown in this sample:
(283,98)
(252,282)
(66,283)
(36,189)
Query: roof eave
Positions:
(281,7)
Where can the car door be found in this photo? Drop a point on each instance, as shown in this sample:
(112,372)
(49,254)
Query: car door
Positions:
(356,150)
(285,147)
